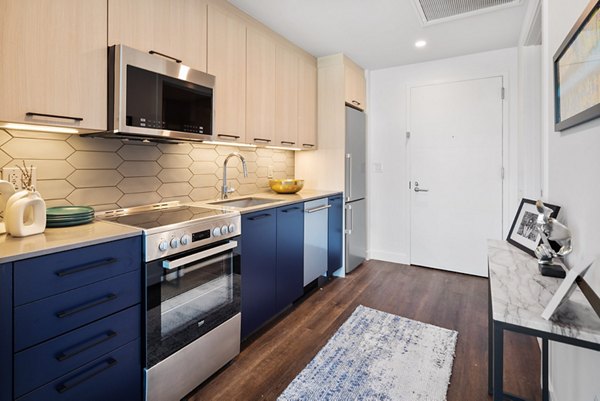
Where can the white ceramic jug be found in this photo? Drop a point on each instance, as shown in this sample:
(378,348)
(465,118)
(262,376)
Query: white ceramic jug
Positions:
(6,191)
(25,214)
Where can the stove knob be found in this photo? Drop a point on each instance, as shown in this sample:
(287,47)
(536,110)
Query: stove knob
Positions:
(185,239)
(216,232)
(163,246)
(174,243)
(231,228)
(224,230)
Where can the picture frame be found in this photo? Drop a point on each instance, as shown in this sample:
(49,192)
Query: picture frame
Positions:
(565,290)
(577,72)
(522,233)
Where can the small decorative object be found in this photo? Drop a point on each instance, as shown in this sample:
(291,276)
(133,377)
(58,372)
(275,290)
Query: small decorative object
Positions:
(524,233)
(564,290)
(287,186)
(576,72)
(551,229)
(25,211)
(6,191)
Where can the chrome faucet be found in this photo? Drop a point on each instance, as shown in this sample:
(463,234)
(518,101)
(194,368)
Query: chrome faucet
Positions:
(226,190)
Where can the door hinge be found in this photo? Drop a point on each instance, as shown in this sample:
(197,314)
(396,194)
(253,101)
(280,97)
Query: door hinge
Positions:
(407,134)
(502,172)
(502,93)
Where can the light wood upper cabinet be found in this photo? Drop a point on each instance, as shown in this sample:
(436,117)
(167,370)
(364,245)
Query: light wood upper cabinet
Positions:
(286,97)
(176,28)
(53,61)
(260,87)
(307,103)
(227,62)
(355,85)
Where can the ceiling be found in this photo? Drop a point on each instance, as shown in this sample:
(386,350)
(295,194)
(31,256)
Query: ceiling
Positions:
(381,33)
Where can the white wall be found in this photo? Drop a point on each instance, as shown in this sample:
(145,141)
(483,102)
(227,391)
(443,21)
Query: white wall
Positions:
(572,168)
(388,189)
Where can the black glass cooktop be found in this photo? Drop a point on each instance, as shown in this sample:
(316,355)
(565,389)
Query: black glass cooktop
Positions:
(163,217)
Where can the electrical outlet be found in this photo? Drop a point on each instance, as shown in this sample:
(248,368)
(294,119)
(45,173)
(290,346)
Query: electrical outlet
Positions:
(14,175)
(270,172)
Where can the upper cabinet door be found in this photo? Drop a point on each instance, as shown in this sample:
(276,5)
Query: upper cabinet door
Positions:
(175,28)
(307,104)
(355,85)
(260,88)
(53,61)
(286,97)
(227,62)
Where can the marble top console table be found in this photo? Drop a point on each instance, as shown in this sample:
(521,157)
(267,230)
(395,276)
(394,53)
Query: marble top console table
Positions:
(518,294)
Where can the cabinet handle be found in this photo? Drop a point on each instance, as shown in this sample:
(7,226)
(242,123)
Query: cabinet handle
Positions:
(84,307)
(288,143)
(77,380)
(259,217)
(290,209)
(318,209)
(356,102)
(308,145)
(228,136)
(84,347)
(32,114)
(262,140)
(78,269)
(165,56)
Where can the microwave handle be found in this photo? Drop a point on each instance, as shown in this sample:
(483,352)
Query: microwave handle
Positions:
(173,264)
(165,56)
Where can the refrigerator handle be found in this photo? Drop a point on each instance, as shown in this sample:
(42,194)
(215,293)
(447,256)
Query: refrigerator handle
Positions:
(349,175)
(349,219)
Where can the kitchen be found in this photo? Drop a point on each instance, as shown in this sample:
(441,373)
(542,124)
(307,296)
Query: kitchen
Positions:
(266,102)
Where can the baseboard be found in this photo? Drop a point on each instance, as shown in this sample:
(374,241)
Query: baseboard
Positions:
(389,256)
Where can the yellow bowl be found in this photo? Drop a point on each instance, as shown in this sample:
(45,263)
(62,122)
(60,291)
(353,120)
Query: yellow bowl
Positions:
(287,186)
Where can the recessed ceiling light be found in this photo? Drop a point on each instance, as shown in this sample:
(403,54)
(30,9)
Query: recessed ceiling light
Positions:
(420,43)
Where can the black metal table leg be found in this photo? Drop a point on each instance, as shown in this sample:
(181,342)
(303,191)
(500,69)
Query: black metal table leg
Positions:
(490,345)
(498,385)
(545,390)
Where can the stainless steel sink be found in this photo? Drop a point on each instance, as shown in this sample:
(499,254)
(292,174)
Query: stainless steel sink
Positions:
(244,202)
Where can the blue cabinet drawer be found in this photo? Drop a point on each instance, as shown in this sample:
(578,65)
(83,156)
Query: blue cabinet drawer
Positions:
(115,376)
(49,317)
(41,277)
(38,365)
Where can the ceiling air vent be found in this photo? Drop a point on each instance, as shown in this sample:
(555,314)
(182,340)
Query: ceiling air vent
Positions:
(434,11)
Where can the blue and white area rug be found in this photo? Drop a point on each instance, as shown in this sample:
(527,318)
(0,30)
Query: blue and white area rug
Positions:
(379,356)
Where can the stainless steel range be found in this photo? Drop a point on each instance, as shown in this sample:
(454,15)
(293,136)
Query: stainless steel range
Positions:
(192,293)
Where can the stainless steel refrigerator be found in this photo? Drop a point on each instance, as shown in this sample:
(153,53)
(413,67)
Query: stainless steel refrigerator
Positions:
(355,189)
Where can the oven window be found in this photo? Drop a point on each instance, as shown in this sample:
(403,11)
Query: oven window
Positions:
(187,302)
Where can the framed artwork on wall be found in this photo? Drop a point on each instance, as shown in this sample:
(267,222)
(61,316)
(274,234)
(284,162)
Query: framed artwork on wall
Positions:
(523,233)
(577,72)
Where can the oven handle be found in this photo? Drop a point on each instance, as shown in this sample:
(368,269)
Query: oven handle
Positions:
(173,264)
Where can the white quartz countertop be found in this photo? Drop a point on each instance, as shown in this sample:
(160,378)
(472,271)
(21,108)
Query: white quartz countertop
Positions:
(62,239)
(520,294)
(278,199)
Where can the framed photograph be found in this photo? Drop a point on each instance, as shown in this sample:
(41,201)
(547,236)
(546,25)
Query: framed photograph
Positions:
(565,290)
(523,233)
(577,72)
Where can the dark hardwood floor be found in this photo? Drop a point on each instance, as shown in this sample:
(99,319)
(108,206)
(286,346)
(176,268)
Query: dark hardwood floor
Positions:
(271,359)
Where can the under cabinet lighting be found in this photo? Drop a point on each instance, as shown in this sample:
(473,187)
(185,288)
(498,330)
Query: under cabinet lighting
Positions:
(41,128)
(420,43)
(282,148)
(246,145)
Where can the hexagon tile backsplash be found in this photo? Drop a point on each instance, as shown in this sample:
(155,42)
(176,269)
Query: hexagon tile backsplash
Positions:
(110,173)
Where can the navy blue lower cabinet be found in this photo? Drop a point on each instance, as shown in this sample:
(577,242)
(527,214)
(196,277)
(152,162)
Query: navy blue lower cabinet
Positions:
(335,234)
(258,269)
(290,254)
(6,332)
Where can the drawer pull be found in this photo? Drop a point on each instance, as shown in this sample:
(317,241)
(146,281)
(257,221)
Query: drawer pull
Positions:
(260,216)
(64,355)
(77,380)
(290,209)
(165,56)
(318,209)
(70,312)
(77,269)
(32,114)
(228,136)
(288,143)
(262,140)
(308,145)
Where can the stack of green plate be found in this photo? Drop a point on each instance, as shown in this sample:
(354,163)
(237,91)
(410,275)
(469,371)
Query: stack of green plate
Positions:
(66,216)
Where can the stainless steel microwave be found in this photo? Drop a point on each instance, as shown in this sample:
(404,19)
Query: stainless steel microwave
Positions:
(154,98)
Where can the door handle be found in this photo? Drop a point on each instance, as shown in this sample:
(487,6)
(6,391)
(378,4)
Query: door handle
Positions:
(349,175)
(417,189)
(349,219)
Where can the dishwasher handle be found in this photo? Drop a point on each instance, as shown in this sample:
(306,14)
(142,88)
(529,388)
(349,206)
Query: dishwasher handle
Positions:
(318,209)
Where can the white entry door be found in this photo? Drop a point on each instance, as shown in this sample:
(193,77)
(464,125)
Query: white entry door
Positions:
(455,161)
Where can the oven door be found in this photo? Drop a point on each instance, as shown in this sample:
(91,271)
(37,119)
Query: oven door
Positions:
(188,295)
